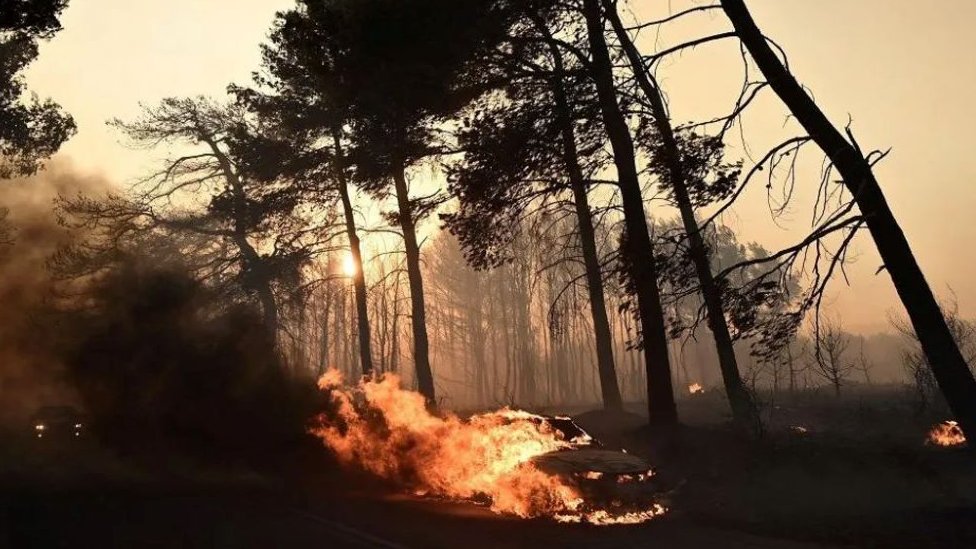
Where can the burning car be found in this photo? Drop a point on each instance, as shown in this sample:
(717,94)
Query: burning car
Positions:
(512,461)
(604,477)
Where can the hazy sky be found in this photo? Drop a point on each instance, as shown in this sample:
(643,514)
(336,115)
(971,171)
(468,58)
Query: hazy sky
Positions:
(901,69)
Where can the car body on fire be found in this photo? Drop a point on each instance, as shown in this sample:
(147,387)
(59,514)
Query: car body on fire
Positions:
(603,475)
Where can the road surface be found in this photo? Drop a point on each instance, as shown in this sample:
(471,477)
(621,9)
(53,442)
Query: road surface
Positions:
(224,518)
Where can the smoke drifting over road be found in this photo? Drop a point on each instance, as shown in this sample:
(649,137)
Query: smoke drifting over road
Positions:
(29,236)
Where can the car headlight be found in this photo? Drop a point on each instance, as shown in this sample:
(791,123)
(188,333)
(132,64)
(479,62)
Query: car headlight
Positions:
(39,427)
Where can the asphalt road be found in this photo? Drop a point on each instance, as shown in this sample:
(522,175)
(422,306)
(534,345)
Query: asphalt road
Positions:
(218,518)
(79,496)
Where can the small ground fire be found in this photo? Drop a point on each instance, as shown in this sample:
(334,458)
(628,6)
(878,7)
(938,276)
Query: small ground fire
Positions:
(946,434)
(487,458)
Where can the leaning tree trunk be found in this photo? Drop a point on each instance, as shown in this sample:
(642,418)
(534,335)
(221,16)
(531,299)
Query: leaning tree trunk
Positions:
(947,362)
(609,387)
(359,277)
(639,249)
(418,313)
(744,409)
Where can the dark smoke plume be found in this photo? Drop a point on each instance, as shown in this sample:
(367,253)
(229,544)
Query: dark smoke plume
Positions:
(30,370)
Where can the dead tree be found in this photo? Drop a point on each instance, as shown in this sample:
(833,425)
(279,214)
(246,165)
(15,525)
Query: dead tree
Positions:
(829,353)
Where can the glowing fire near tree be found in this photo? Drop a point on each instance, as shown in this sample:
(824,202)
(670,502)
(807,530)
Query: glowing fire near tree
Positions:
(696,389)
(388,431)
(947,433)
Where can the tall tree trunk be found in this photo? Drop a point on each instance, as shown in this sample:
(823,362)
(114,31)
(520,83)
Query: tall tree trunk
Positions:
(418,313)
(507,394)
(324,342)
(359,277)
(251,260)
(744,409)
(476,336)
(395,329)
(640,251)
(789,358)
(522,324)
(947,362)
(261,284)
(609,386)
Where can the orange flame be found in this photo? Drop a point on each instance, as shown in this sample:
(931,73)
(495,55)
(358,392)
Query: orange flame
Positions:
(947,433)
(696,389)
(389,432)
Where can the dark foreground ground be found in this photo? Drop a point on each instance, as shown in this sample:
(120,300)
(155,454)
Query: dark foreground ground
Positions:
(818,489)
(254,519)
(251,514)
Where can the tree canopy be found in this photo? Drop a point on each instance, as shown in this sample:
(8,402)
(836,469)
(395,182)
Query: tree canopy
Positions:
(31,129)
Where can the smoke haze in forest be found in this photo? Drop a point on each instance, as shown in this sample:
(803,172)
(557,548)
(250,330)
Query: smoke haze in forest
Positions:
(32,370)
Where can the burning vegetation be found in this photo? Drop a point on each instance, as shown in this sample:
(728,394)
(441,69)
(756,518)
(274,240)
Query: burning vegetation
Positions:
(488,458)
(947,434)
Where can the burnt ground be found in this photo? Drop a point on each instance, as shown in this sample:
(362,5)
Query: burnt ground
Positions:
(860,475)
(844,487)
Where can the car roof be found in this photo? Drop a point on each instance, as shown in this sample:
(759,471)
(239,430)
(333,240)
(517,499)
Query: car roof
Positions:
(582,460)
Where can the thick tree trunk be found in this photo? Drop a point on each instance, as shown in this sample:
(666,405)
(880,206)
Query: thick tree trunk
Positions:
(743,408)
(418,313)
(270,310)
(324,342)
(260,283)
(359,278)
(609,386)
(640,251)
(251,260)
(476,336)
(948,364)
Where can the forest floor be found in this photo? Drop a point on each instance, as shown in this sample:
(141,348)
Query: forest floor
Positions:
(858,473)
(867,481)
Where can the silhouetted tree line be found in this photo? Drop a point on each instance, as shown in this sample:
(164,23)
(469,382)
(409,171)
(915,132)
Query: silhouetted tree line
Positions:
(541,135)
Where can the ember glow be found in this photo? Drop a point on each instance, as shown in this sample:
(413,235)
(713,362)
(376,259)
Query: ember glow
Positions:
(696,389)
(388,431)
(947,433)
